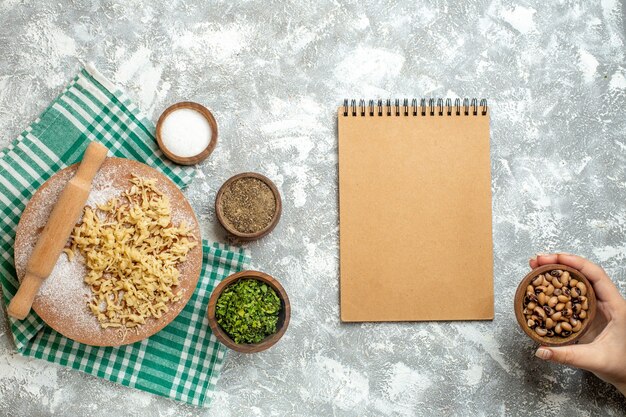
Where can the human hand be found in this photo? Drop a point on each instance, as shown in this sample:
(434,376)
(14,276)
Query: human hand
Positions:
(603,348)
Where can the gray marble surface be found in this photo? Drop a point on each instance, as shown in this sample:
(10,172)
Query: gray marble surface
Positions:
(555,75)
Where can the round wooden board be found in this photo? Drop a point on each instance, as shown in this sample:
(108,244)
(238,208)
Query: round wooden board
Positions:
(62,299)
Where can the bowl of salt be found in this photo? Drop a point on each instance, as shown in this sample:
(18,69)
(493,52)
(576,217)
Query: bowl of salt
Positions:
(186,133)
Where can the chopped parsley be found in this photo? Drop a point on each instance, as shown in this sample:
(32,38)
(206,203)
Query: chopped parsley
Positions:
(248,311)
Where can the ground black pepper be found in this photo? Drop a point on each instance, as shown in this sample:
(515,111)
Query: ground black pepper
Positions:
(248,205)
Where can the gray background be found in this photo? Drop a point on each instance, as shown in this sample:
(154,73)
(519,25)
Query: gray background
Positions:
(273,73)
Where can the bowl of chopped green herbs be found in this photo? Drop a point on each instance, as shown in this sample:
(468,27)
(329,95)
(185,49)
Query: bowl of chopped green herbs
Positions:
(249,311)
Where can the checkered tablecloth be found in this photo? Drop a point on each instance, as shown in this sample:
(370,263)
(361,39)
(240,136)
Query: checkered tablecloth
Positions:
(183,360)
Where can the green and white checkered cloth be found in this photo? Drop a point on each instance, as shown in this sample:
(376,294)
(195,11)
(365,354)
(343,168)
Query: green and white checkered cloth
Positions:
(182,361)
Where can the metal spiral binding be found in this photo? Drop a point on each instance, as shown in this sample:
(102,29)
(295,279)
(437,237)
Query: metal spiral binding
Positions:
(429,106)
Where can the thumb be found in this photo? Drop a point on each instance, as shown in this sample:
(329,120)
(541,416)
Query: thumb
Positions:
(579,356)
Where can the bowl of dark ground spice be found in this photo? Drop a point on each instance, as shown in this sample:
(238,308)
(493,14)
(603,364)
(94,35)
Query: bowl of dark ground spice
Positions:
(249,311)
(248,206)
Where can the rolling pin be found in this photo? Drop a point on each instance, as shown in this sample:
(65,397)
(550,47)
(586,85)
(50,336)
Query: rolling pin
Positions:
(62,220)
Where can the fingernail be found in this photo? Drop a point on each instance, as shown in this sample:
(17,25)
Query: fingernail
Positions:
(564,253)
(542,254)
(534,258)
(543,353)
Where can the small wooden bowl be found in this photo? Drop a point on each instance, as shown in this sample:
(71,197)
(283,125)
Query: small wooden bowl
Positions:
(188,160)
(555,340)
(283,316)
(222,218)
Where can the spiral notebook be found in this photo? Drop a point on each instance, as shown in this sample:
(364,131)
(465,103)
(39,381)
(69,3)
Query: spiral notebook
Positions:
(415,210)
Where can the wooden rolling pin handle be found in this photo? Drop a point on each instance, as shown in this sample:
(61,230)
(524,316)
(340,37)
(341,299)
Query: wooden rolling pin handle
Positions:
(20,305)
(94,156)
(58,228)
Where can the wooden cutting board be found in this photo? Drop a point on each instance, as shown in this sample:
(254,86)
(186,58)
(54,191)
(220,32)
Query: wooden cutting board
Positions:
(62,299)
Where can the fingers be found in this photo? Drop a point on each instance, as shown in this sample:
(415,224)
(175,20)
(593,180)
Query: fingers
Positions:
(598,324)
(543,259)
(602,284)
(579,356)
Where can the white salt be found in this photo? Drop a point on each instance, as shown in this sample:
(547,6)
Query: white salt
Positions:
(185,132)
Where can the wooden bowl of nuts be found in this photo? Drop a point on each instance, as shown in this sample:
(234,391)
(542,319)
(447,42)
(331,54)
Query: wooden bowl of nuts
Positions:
(555,305)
